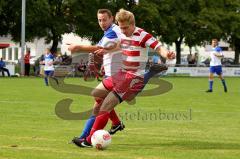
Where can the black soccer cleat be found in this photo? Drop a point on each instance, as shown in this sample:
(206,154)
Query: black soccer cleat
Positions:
(81,142)
(209,91)
(225,89)
(158,68)
(116,128)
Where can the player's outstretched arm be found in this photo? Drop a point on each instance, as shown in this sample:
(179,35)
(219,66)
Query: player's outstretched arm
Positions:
(112,48)
(165,53)
(83,48)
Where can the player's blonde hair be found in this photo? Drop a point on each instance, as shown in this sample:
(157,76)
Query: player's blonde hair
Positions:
(125,16)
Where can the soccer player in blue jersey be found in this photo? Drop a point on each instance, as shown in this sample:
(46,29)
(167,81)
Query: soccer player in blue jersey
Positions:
(215,65)
(48,66)
(111,65)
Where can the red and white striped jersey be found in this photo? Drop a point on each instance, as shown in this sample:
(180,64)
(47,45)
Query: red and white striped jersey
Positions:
(134,51)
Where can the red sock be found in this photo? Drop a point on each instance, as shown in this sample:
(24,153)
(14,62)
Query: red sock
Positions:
(99,101)
(114,118)
(100,123)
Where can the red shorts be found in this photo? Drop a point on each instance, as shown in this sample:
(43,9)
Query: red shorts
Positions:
(124,84)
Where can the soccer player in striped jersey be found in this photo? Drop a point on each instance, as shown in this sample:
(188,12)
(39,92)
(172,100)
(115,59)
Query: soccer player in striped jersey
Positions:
(128,81)
(215,65)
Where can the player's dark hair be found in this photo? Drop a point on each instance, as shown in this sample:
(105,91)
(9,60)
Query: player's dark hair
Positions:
(107,11)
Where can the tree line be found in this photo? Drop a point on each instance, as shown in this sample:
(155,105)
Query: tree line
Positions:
(193,22)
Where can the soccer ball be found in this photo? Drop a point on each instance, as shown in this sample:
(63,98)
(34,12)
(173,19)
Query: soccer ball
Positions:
(101,139)
(17,74)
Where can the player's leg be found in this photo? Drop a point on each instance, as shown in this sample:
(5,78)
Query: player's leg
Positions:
(51,75)
(130,85)
(6,70)
(99,93)
(1,69)
(46,74)
(102,118)
(117,125)
(220,75)
(154,69)
(89,123)
(210,79)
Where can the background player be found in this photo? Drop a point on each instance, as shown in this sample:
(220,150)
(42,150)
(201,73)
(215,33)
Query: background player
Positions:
(48,66)
(215,65)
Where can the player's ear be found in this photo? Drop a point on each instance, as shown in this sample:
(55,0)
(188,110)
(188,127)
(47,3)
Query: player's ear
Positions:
(112,18)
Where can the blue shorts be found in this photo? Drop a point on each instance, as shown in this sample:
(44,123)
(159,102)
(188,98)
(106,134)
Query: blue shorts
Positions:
(216,69)
(48,73)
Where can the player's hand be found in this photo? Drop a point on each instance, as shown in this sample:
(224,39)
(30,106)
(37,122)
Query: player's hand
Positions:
(73,47)
(101,51)
(42,62)
(171,55)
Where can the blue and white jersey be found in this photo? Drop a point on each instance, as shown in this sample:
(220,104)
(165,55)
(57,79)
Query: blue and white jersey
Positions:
(215,61)
(111,61)
(48,59)
(155,59)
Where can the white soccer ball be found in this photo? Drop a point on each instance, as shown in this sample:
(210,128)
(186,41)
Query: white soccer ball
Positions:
(101,139)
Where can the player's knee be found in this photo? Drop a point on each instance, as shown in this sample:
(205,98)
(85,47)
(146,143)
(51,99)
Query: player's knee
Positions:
(96,109)
(98,101)
(94,93)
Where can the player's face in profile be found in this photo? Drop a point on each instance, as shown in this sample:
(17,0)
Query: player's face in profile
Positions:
(126,28)
(214,43)
(104,21)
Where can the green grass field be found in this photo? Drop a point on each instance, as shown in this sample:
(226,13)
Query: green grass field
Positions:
(185,123)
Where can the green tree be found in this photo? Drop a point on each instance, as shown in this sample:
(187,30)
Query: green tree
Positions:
(85,15)
(170,20)
(231,25)
(4,18)
(44,19)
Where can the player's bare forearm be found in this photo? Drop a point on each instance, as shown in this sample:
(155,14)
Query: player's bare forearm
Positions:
(110,49)
(218,55)
(165,53)
(83,48)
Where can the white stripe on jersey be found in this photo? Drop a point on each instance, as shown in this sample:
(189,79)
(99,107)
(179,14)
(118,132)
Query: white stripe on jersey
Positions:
(215,61)
(48,59)
(135,51)
(111,61)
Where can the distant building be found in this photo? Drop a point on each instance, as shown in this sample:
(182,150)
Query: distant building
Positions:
(11,51)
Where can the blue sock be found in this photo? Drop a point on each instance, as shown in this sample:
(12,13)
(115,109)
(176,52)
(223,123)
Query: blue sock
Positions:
(148,75)
(210,84)
(88,127)
(224,84)
(46,81)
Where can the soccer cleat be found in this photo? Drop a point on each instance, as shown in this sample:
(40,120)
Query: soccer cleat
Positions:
(225,90)
(81,142)
(158,68)
(116,128)
(209,91)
